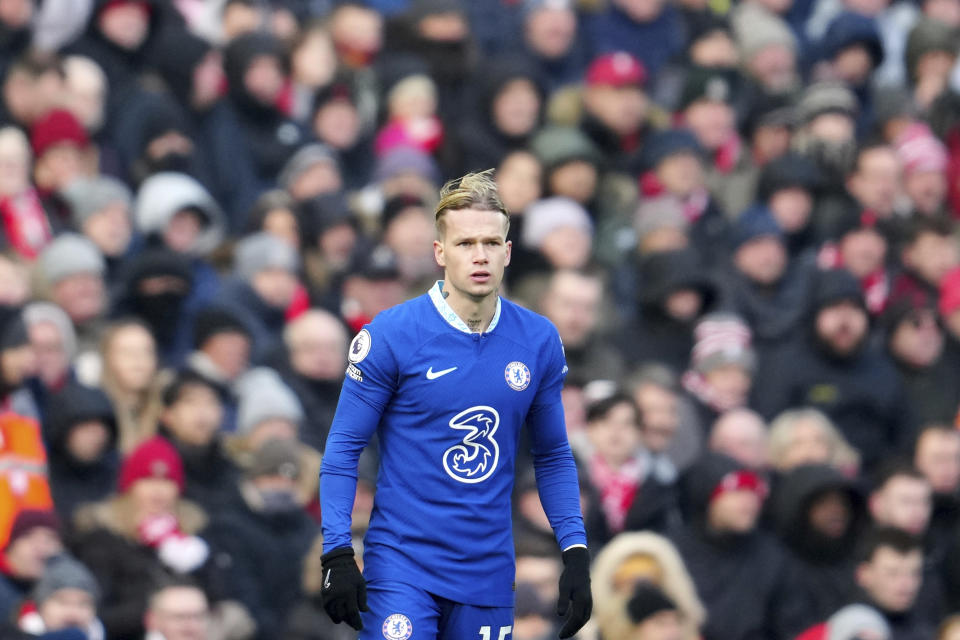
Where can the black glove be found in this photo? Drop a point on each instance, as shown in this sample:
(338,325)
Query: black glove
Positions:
(575,589)
(344,590)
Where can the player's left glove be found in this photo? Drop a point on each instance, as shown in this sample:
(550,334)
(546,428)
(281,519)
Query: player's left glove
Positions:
(575,595)
(344,591)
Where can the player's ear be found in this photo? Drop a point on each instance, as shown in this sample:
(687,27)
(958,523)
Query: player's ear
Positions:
(509,245)
(438,253)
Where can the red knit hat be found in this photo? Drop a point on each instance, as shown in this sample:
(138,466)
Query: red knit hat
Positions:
(154,458)
(57,127)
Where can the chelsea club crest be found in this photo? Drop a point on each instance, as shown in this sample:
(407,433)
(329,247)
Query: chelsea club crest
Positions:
(517,375)
(397,627)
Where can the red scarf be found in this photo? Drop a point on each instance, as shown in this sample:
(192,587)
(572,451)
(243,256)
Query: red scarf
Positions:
(694,204)
(618,487)
(875,285)
(25,223)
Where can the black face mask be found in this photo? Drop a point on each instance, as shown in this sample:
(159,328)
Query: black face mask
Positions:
(161,312)
(13,40)
(179,162)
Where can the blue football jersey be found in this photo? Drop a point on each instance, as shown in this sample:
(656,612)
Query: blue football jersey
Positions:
(447,405)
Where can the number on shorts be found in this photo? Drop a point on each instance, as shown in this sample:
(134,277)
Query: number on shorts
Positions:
(504,632)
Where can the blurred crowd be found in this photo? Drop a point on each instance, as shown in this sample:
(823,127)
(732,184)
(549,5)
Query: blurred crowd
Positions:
(741,217)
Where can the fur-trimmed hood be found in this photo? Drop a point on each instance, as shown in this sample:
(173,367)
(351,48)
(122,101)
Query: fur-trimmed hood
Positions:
(116,516)
(610,612)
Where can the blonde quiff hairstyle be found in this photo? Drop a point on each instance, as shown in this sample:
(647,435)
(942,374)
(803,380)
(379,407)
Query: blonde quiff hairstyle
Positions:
(473,191)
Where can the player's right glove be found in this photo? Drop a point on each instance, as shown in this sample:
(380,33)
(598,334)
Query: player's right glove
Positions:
(575,593)
(344,591)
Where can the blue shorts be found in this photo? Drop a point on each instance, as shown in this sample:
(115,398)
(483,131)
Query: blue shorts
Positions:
(401,611)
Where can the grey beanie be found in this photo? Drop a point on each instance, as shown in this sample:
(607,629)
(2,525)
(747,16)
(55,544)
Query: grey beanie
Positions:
(663,212)
(276,457)
(303,159)
(87,196)
(850,621)
(37,312)
(68,255)
(263,396)
(262,251)
(826,97)
(546,216)
(757,28)
(64,572)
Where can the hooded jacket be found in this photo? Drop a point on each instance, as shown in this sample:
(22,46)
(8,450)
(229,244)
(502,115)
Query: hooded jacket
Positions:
(859,392)
(609,612)
(742,577)
(75,482)
(823,568)
(482,143)
(655,336)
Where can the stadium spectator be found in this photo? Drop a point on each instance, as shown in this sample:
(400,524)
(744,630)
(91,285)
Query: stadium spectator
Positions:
(741,434)
(34,538)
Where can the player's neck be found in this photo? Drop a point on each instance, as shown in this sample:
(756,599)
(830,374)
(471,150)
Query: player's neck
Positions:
(476,313)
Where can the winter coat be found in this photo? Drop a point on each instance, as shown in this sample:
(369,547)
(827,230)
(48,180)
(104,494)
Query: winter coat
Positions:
(653,43)
(860,393)
(609,612)
(74,482)
(267,553)
(212,478)
(742,578)
(822,568)
(126,570)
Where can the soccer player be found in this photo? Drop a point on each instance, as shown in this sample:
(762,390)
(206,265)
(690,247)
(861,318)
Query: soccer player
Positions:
(446,380)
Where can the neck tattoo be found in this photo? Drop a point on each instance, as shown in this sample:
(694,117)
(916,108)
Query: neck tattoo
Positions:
(473,324)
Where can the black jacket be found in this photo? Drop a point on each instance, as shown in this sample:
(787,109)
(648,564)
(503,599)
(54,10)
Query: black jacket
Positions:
(212,478)
(74,482)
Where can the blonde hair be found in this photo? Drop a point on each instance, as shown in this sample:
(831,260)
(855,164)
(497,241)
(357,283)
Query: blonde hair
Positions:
(473,191)
(842,454)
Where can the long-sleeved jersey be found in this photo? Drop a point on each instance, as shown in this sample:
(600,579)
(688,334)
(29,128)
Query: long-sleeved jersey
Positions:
(448,405)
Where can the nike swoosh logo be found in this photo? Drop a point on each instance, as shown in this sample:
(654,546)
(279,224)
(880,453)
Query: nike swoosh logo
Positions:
(326,581)
(433,375)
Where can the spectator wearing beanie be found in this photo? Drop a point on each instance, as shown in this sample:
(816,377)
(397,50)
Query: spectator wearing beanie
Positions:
(929,37)
(147,530)
(263,287)
(313,170)
(835,369)
(571,163)
(831,149)
(924,159)
(916,342)
(722,366)
(24,221)
(222,344)
(763,285)
(34,537)
(191,421)
(739,569)
(81,435)
(64,600)
(74,272)
(101,210)
(854,33)
(559,232)
(62,152)
(55,344)
(788,186)
(269,535)
(673,166)
(269,410)
(642,558)
(655,615)
(560,62)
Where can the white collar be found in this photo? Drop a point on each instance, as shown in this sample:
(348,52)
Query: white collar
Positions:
(448,314)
